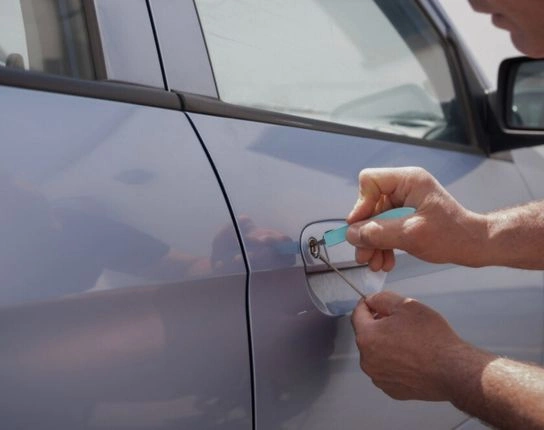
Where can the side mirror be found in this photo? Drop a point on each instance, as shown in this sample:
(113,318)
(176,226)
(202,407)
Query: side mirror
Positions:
(519,107)
(523,81)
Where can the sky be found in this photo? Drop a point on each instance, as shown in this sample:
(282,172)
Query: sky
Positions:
(489,45)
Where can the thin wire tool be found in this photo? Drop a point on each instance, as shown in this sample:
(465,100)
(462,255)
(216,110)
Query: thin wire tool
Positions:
(324,260)
(336,236)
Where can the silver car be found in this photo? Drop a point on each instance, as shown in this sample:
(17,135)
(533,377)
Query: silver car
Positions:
(164,165)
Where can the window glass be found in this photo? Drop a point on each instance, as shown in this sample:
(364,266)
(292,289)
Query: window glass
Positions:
(375,64)
(527,110)
(47,36)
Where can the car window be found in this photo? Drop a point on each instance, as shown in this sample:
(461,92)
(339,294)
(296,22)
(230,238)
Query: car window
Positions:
(374,64)
(47,36)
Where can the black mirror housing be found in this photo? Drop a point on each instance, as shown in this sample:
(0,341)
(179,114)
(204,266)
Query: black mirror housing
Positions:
(519,107)
(521,84)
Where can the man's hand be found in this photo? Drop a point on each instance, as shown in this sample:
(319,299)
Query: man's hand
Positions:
(441,230)
(405,347)
(411,352)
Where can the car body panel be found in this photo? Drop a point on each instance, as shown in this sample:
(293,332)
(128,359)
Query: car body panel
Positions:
(306,363)
(151,264)
(129,50)
(120,287)
(186,55)
(530,162)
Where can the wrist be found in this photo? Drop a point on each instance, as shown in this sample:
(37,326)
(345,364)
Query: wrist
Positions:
(462,369)
(497,246)
(479,251)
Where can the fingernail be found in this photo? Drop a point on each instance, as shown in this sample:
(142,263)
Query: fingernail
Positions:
(351,234)
(357,203)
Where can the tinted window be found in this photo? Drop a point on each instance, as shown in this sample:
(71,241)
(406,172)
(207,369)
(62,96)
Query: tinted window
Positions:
(45,35)
(375,64)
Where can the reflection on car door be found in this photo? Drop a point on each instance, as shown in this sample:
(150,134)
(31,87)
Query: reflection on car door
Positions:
(123,290)
(306,362)
(306,94)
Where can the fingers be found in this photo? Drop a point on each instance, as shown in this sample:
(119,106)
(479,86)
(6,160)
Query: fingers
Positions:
(361,316)
(386,188)
(363,255)
(382,260)
(369,197)
(385,303)
(381,189)
(381,234)
(376,259)
(388,260)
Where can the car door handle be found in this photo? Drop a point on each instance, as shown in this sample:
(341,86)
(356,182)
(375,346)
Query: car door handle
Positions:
(331,293)
(328,291)
(323,238)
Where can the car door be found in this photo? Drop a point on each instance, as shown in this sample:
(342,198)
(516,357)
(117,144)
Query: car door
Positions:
(309,93)
(122,281)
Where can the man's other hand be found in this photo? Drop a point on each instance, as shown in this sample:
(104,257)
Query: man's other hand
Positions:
(406,347)
(440,231)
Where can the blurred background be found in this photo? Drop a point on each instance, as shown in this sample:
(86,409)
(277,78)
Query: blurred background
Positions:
(488,44)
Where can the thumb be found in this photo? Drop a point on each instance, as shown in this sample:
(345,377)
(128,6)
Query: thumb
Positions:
(363,209)
(385,303)
(379,234)
(361,316)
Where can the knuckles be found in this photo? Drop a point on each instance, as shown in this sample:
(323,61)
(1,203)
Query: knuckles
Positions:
(369,234)
(354,235)
(420,175)
(365,173)
(418,236)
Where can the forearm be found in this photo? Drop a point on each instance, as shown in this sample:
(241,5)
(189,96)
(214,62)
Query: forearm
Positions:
(504,393)
(515,237)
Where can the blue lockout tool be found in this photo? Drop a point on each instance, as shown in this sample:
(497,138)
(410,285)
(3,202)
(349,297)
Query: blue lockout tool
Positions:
(338,235)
